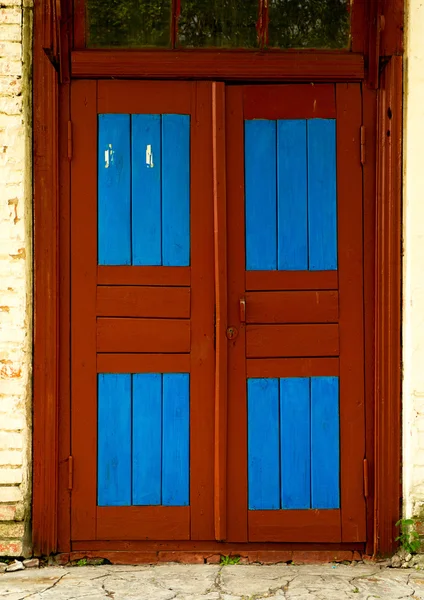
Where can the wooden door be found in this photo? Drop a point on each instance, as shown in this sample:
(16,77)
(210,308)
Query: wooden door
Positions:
(296,368)
(142,311)
(217,313)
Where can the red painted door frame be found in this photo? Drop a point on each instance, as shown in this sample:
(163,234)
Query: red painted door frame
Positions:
(382,201)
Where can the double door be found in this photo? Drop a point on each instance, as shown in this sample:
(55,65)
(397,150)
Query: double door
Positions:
(217,312)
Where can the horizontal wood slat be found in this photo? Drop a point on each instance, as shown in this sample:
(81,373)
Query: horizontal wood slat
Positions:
(263,341)
(289,101)
(143,301)
(143,363)
(294,526)
(292,367)
(126,275)
(210,64)
(143,522)
(143,335)
(142,97)
(291,280)
(292,307)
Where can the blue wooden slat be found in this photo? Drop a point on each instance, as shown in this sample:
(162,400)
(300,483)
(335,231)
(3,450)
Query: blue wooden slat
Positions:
(263,444)
(322,205)
(175,442)
(114,440)
(147,439)
(325,443)
(175,190)
(292,196)
(295,443)
(114,193)
(146,190)
(260,164)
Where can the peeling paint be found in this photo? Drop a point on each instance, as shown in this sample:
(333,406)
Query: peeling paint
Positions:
(109,156)
(149,156)
(21,254)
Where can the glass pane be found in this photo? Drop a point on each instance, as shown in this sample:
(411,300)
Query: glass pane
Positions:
(309,23)
(218,23)
(129,23)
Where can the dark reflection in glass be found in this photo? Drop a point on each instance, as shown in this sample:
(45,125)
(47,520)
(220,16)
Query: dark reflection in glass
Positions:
(218,23)
(129,23)
(309,23)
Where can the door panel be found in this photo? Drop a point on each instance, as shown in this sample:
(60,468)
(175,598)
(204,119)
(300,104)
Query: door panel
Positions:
(217,300)
(142,312)
(296,410)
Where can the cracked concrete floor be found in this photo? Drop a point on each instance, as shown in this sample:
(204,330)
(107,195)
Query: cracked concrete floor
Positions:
(210,582)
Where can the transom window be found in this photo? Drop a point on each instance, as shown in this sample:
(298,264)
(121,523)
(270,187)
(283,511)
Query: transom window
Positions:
(218,23)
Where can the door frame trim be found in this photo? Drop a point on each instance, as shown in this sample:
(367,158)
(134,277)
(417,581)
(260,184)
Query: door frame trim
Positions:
(51,435)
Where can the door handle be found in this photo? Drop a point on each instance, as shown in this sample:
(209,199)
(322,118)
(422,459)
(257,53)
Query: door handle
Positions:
(243,310)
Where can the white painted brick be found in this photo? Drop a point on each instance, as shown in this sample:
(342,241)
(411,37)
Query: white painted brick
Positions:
(10,33)
(11,2)
(10,85)
(12,50)
(11,458)
(10,441)
(10,476)
(10,67)
(10,494)
(11,15)
(11,105)
(12,422)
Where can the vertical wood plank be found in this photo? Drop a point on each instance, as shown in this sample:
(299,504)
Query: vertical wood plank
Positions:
(146,200)
(260,163)
(369,111)
(237,408)
(202,355)
(176,190)
(295,432)
(46,332)
(114,191)
(325,442)
(147,439)
(83,308)
(64,396)
(292,181)
(114,440)
(263,444)
(322,211)
(220,253)
(175,439)
(351,324)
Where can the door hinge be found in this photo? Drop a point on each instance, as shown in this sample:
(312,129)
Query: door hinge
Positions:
(69,140)
(70,472)
(363,142)
(366,491)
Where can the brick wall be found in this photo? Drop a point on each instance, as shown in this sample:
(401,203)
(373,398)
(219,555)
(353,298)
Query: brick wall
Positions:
(15,276)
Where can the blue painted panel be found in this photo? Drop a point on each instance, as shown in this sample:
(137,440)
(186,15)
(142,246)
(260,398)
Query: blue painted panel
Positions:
(147,439)
(292,195)
(260,164)
(175,443)
(114,440)
(146,190)
(114,193)
(325,443)
(295,443)
(263,444)
(176,190)
(322,204)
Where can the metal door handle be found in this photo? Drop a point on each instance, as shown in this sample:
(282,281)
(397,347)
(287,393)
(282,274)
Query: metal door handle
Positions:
(243,310)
